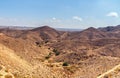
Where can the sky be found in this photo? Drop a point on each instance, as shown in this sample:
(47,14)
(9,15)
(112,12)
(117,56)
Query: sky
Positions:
(78,14)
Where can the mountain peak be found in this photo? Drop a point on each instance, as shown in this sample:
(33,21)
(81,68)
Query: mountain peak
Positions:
(43,28)
(91,28)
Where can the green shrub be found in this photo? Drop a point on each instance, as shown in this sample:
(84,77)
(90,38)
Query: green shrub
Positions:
(65,64)
(56,52)
(46,41)
(37,43)
(48,56)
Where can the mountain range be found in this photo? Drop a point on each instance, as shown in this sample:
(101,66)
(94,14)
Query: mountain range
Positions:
(45,52)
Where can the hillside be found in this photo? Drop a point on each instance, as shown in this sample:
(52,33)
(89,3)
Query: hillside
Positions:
(89,34)
(112,73)
(45,52)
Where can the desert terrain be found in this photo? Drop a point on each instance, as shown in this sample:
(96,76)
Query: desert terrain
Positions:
(46,52)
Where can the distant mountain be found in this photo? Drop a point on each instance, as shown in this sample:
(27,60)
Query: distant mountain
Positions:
(88,34)
(112,31)
(16,27)
(110,28)
(93,33)
(42,28)
(46,32)
(68,29)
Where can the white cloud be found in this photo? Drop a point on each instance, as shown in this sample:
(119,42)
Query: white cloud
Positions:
(113,14)
(55,20)
(77,18)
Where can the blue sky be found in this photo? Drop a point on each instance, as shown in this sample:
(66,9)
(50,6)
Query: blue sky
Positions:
(60,13)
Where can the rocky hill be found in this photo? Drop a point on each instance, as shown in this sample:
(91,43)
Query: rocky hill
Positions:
(45,52)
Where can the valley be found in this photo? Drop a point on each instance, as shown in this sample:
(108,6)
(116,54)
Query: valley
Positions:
(45,52)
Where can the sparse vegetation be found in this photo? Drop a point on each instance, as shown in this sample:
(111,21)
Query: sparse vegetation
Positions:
(65,64)
(46,41)
(37,43)
(48,56)
(56,52)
